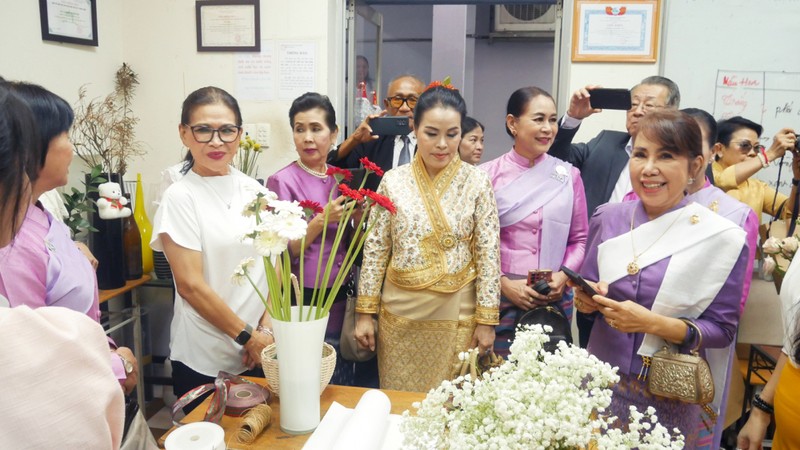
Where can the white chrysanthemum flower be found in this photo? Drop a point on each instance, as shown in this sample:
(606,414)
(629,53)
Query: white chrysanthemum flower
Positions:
(269,243)
(290,226)
(240,273)
(282,207)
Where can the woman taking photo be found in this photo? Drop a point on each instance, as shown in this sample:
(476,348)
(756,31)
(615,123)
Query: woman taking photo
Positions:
(432,268)
(217,324)
(542,209)
(660,264)
(314,129)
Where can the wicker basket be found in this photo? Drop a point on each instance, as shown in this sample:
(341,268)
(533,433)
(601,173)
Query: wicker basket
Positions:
(269,362)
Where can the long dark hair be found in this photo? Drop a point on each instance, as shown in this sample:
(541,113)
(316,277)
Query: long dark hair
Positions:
(19,158)
(208,95)
(52,114)
(439,96)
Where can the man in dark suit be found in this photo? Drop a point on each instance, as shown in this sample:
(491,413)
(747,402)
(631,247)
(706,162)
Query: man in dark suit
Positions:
(603,161)
(386,151)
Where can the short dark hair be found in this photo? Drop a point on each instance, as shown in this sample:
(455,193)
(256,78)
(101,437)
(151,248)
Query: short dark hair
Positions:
(518,102)
(439,96)
(706,121)
(468,124)
(311,100)
(674,130)
(208,95)
(726,128)
(19,156)
(673,93)
(53,115)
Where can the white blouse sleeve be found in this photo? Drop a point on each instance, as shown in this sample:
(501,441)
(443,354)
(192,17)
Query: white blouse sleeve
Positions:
(177,216)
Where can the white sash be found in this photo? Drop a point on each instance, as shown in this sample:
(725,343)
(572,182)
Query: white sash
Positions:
(692,280)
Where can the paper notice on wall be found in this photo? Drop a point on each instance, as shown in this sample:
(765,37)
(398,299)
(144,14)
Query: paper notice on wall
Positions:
(255,74)
(298,68)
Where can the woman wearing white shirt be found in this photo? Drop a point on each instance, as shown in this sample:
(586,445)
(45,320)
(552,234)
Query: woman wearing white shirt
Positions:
(781,395)
(199,225)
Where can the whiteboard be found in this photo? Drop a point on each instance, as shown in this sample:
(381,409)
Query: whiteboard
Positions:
(738,57)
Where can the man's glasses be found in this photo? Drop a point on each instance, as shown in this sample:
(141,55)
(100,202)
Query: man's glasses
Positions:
(397,101)
(646,107)
(204,134)
(747,147)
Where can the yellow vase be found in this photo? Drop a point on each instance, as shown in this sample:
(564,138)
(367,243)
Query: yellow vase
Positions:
(145,227)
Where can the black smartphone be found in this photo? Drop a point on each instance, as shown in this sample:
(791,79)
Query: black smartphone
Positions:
(536,275)
(578,280)
(610,98)
(390,126)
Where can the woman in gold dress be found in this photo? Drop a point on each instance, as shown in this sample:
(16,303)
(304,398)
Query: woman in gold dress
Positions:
(431,271)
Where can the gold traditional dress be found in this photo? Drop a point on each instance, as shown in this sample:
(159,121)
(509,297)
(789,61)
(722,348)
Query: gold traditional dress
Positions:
(431,272)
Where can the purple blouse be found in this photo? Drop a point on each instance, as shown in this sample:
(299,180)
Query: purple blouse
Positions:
(521,242)
(293,183)
(717,323)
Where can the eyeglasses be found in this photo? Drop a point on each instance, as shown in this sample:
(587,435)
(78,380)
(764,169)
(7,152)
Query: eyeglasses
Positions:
(397,101)
(204,134)
(747,147)
(646,107)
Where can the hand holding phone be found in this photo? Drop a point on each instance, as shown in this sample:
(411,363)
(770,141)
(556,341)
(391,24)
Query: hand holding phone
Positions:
(579,281)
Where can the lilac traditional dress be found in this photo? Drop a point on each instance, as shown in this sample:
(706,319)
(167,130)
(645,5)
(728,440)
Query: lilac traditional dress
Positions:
(543,224)
(687,263)
(43,267)
(293,182)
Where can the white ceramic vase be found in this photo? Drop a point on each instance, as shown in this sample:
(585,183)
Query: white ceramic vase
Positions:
(299,347)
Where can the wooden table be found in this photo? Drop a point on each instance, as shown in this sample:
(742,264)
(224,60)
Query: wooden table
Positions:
(274,438)
(136,319)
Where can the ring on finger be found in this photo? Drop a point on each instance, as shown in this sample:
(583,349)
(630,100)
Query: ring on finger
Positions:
(612,324)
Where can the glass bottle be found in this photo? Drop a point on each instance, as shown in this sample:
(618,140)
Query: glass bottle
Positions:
(145,227)
(132,247)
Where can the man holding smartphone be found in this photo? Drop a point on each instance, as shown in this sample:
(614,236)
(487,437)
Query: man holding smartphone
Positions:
(387,151)
(603,161)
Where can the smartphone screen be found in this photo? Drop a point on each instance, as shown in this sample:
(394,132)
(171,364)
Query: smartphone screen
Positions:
(536,275)
(619,99)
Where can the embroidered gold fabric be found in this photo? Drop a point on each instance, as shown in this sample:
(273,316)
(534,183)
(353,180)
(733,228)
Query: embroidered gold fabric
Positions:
(487,316)
(367,305)
(445,234)
(418,355)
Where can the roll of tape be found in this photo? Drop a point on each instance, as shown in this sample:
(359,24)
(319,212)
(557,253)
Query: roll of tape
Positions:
(242,397)
(196,436)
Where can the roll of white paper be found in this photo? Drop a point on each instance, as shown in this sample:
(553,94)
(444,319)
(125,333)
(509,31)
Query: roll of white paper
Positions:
(196,436)
(367,426)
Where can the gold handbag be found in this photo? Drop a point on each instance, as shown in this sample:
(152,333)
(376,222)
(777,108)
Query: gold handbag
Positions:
(683,377)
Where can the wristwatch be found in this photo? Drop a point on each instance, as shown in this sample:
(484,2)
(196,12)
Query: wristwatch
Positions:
(244,335)
(126,364)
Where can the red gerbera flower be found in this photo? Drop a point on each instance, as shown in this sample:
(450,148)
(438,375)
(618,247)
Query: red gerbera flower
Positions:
(381,200)
(444,83)
(310,207)
(348,192)
(339,174)
(371,166)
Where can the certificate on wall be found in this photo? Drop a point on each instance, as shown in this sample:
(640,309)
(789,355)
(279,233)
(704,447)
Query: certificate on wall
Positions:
(228,26)
(612,31)
(71,21)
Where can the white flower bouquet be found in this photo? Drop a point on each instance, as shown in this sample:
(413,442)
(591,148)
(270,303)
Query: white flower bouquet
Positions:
(538,400)
(778,253)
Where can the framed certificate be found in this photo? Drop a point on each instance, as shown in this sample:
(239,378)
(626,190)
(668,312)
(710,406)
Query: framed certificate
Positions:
(615,31)
(228,26)
(71,21)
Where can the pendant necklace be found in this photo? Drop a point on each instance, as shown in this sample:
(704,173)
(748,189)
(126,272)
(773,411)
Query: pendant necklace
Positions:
(633,266)
(321,175)
(214,190)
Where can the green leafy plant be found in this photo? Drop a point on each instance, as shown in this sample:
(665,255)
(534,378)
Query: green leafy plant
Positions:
(79,206)
(249,151)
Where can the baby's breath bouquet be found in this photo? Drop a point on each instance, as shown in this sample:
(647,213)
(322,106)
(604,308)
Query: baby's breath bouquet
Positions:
(536,400)
(249,151)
